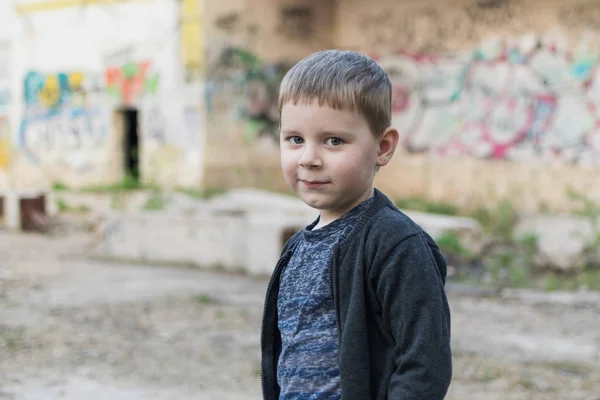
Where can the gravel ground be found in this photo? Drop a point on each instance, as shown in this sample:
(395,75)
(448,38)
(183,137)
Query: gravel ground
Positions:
(72,328)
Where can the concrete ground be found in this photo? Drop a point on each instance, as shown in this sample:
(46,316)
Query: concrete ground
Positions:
(72,328)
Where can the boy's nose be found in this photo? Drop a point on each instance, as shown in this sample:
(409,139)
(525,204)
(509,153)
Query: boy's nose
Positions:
(310,158)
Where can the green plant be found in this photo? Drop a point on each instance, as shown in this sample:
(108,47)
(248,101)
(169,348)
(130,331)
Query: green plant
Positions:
(204,299)
(499,221)
(450,243)
(63,206)
(128,183)
(59,186)
(203,193)
(590,279)
(117,201)
(13,340)
(156,201)
(424,205)
(590,211)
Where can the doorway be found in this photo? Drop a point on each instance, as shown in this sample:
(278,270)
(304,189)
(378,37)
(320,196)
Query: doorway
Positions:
(131,143)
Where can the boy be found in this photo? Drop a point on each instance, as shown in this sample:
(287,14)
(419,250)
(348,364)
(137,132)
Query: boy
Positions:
(356,307)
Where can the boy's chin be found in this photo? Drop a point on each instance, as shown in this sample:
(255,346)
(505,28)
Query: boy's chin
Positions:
(316,201)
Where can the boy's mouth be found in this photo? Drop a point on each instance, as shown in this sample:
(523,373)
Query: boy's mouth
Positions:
(313,184)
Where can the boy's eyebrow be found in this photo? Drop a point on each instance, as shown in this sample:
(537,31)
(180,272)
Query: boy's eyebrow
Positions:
(289,132)
(324,132)
(335,132)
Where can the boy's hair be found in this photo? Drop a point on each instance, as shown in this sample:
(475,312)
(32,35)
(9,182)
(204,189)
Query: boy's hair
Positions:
(341,80)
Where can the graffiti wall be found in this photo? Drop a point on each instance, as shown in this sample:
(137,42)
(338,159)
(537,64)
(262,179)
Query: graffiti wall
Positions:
(64,123)
(521,100)
(252,84)
(253,43)
(490,79)
(5,141)
(130,82)
(5,101)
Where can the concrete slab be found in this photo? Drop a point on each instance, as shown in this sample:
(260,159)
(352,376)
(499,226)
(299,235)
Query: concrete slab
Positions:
(243,230)
(561,238)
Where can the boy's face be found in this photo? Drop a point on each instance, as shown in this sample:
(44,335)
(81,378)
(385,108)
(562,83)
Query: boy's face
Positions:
(328,157)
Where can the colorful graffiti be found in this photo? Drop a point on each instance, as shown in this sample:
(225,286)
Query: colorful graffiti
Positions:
(239,74)
(63,123)
(4,97)
(5,147)
(53,91)
(130,82)
(127,84)
(520,101)
(5,100)
(69,136)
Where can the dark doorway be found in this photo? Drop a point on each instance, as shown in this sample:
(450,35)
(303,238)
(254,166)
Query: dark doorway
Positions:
(131,142)
(33,214)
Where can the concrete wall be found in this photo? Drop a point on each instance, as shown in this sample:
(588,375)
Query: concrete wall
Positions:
(492,101)
(252,44)
(493,98)
(73,67)
(6,98)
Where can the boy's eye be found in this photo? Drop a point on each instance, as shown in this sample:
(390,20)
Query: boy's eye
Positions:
(296,140)
(334,141)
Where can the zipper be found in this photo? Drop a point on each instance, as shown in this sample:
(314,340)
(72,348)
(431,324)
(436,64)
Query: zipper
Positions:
(335,294)
(276,273)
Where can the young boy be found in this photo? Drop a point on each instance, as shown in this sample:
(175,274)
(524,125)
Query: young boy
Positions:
(356,307)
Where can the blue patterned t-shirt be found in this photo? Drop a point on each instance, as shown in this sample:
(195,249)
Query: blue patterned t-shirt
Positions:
(308,364)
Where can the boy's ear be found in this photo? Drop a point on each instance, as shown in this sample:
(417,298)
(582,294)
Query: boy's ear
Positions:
(388,141)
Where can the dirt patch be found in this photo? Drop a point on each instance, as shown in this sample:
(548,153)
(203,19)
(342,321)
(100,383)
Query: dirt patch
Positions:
(72,328)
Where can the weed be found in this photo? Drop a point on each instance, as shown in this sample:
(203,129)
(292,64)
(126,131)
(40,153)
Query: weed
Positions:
(589,210)
(526,384)
(117,201)
(63,206)
(450,242)
(570,368)
(156,201)
(590,279)
(500,221)
(204,299)
(128,183)
(13,340)
(59,186)
(424,205)
(204,193)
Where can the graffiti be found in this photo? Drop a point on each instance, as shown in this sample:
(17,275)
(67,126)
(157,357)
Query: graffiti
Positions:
(5,147)
(131,82)
(432,29)
(515,102)
(296,23)
(239,74)
(5,96)
(70,136)
(228,22)
(234,23)
(58,90)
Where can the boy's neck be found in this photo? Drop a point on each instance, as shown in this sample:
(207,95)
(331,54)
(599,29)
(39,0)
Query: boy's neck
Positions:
(328,216)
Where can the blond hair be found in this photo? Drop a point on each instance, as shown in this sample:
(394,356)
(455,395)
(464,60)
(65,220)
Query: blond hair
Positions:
(341,80)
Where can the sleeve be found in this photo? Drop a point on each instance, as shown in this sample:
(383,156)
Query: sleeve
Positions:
(414,307)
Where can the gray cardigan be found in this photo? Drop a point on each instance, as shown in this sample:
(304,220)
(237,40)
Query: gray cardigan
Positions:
(393,316)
